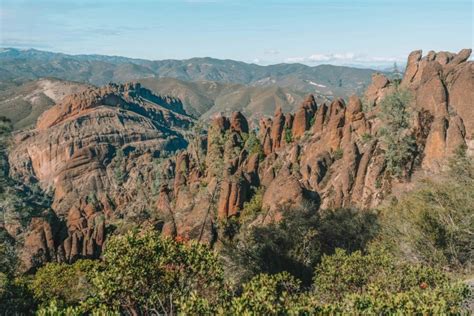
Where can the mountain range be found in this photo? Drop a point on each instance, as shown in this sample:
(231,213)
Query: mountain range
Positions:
(19,65)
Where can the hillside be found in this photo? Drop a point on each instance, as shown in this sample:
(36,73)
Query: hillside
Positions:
(328,80)
(206,98)
(24,103)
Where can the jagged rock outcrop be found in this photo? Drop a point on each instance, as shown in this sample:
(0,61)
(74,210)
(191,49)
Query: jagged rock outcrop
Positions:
(303,117)
(88,150)
(441,84)
(107,141)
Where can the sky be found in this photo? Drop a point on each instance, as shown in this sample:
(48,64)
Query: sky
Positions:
(347,32)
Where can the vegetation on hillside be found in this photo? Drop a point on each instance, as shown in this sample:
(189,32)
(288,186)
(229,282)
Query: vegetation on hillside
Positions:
(434,224)
(147,274)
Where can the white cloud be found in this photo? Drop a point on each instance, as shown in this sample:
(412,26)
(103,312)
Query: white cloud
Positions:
(271,52)
(343,58)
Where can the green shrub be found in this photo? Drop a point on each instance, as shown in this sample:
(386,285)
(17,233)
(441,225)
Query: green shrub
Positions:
(434,223)
(253,146)
(267,295)
(67,284)
(399,144)
(15,296)
(144,272)
(376,284)
(366,137)
(288,135)
(352,284)
(338,154)
(298,241)
(252,207)
(53,308)
(230,227)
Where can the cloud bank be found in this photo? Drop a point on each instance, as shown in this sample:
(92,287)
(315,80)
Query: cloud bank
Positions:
(343,58)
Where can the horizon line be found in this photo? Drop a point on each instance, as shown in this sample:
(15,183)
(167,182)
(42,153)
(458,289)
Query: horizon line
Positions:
(360,65)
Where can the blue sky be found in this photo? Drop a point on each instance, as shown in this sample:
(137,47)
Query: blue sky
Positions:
(366,32)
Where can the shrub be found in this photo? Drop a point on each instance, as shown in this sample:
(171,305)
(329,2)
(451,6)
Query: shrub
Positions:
(267,295)
(338,153)
(395,136)
(288,135)
(15,296)
(434,223)
(298,241)
(376,284)
(253,146)
(252,207)
(366,137)
(230,227)
(67,284)
(145,272)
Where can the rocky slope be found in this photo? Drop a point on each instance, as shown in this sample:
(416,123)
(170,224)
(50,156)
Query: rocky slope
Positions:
(71,154)
(332,155)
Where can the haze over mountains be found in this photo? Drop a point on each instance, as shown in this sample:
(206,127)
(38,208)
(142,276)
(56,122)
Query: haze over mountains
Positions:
(20,65)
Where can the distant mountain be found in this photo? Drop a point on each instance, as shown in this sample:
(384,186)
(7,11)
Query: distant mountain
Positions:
(205,98)
(328,80)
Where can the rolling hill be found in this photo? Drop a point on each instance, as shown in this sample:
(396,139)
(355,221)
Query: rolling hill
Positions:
(328,80)
(205,98)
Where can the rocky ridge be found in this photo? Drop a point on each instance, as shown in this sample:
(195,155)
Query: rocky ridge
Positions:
(89,150)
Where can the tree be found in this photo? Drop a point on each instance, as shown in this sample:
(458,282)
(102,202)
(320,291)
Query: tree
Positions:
(399,144)
(267,295)
(253,146)
(396,74)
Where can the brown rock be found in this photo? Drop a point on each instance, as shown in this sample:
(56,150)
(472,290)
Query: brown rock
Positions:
(284,191)
(435,147)
(377,89)
(455,135)
(301,122)
(238,123)
(277,130)
(412,66)
(320,118)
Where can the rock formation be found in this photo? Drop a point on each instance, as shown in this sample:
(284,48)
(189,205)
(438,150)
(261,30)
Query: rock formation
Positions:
(105,140)
(82,149)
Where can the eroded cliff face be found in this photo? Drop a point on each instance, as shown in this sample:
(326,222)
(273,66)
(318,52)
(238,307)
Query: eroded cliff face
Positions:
(90,150)
(106,142)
